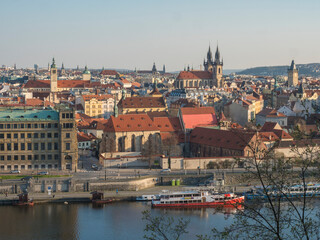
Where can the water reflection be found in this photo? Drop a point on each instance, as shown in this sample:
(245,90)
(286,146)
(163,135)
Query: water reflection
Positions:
(121,220)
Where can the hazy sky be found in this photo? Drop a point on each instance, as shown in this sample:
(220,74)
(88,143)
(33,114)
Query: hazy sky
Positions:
(129,34)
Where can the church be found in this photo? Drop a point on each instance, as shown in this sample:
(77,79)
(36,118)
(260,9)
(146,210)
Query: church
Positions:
(210,77)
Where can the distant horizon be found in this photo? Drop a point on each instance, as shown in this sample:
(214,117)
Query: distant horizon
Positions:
(134,34)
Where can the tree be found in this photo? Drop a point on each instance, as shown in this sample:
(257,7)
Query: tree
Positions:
(278,215)
(170,146)
(164,228)
(150,149)
(108,144)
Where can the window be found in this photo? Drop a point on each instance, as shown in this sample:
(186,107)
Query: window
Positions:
(43,157)
(8,146)
(42,135)
(35,125)
(49,146)
(22,147)
(16,157)
(71,115)
(22,135)
(49,157)
(49,125)
(56,157)
(29,135)
(35,135)
(29,157)
(9,158)
(1,135)
(43,146)
(36,157)
(67,115)
(67,135)
(22,126)
(35,166)
(9,167)
(29,146)
(42,125)
(15,126)
(1,146)
(43,166)
(2,158)
(36,146)
(29,125)
(56,135)
(15,147)
(9,135)
(29,166)
(8,126)
(63,115)
(56,125)
(22,167)
(1,126)
(67,146)
(56,146)
(49,135)
(15,135)
(23,157)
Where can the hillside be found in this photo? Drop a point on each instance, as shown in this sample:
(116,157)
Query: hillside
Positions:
(310,69)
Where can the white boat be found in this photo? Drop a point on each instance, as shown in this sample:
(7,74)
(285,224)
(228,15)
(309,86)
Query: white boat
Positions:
(146,198)
(197,199)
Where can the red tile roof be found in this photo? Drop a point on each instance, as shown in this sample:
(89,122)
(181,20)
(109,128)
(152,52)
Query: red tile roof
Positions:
(167,124)
(142,102)
(270,126)
(195,75)
(130,123)
(109,72)
(271,113)
(228,139)
(195,120)
(197,110)
(98,97)
(83,137)
(61,84)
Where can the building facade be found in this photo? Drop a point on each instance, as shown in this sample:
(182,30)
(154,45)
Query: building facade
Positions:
(38,139)
(293,75)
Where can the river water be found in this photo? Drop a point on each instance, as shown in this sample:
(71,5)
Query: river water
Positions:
(122,220)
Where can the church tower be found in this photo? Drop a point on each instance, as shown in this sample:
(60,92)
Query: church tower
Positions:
(63,71)
(53,77)
(217,69)
(208,65)
(292,75)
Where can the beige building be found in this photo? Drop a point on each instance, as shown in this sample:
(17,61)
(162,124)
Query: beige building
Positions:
(98,106)
(129,133)
(38,139)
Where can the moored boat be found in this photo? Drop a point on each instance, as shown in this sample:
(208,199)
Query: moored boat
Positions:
(146,198)
(23,200)
(287,192)
(197,199)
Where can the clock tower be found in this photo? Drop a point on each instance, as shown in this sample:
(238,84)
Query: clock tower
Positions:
(53,77)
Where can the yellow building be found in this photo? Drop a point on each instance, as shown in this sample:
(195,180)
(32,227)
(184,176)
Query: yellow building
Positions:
(98,106)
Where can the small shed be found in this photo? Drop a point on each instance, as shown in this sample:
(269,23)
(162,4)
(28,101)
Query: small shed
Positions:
(97,195)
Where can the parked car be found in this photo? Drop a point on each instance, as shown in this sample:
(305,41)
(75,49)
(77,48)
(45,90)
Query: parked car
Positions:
(165,170)
(95,167)
(15,171)
(43,173)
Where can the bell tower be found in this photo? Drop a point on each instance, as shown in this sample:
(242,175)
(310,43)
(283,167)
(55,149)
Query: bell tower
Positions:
(53,77)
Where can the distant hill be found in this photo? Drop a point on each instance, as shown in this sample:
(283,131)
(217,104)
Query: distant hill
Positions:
(310,69)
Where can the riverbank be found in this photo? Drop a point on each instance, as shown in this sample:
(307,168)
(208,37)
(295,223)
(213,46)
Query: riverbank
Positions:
(78,197)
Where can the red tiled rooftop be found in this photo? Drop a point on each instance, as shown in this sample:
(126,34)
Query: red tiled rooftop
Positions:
(195,75)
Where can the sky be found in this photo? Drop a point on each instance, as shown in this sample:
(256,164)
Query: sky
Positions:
(134,34)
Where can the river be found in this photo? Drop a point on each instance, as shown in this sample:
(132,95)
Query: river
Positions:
(121,220)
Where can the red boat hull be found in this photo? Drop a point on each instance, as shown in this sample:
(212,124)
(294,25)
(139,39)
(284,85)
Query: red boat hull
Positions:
(227,203)
(23,204)
(101,201)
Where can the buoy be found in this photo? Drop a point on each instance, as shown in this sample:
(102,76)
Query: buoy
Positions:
(66,203)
